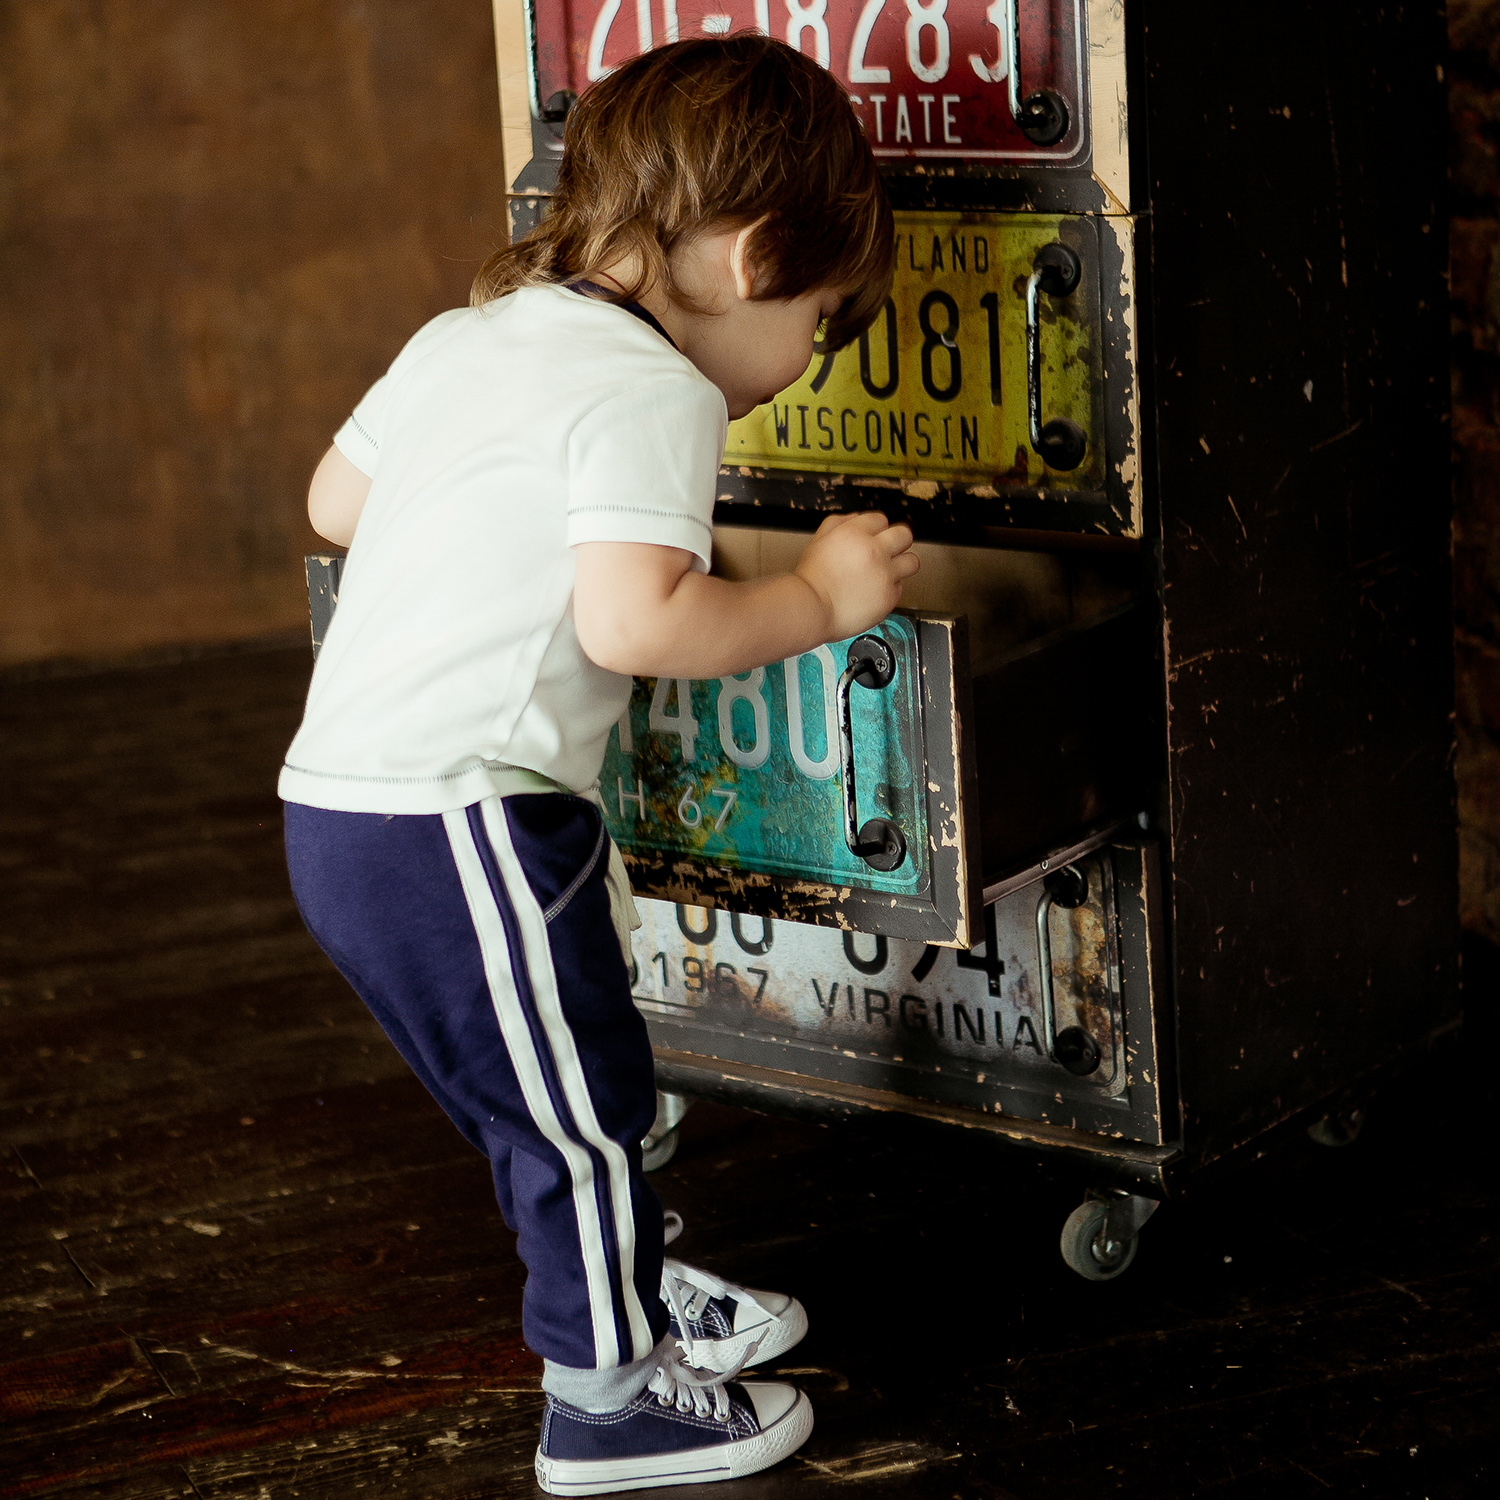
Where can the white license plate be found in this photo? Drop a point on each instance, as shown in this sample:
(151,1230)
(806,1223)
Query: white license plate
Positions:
(903,1004)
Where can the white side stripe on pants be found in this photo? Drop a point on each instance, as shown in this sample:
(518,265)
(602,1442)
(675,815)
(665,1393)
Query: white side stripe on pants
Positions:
(569,1067)
(522,1047)
(495,953)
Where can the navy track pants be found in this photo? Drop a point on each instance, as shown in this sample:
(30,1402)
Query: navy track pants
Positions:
(481,941)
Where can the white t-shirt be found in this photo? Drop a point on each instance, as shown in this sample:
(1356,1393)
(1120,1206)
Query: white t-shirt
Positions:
(498,440)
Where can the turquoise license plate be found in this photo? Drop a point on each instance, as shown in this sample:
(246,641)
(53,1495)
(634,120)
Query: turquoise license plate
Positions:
(743,772)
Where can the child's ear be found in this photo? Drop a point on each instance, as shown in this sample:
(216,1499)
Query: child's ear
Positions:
(741,265)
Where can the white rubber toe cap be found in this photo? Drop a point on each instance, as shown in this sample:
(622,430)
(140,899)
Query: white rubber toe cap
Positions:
(771,1400)
(747,1314)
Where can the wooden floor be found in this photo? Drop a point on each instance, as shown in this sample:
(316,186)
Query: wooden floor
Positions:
(243,1255)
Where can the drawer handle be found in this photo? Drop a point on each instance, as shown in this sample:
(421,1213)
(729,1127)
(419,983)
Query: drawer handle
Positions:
(878,842)
(1073,1048)
(1042,116)
(1061,443)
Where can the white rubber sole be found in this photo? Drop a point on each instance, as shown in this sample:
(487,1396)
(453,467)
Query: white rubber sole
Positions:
(576,1476)
(724,1354)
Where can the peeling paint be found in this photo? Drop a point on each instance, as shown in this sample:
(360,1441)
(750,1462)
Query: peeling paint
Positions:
(1107,97)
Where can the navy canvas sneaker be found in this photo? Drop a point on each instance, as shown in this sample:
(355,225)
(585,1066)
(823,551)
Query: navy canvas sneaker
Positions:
(687,1427)
(721,1326)
(717,1324)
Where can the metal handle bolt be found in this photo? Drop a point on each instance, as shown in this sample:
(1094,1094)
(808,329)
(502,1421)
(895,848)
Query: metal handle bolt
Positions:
(1042,115)
(1055,271)
(1072,1047)
(878,841)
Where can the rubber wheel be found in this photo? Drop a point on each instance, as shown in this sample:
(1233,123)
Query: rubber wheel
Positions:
(1337,1130)
(1082,1250)
(656,1153)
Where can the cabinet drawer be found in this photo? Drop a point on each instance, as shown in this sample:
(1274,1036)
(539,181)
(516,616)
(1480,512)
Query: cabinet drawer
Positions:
(911,1021)
(996,388)
(733,793)
(755,793)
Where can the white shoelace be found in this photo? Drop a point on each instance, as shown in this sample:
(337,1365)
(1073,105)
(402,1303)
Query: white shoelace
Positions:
(688,1290)
(677,1384)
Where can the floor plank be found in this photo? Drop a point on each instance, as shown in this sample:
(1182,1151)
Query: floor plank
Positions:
(242,1255)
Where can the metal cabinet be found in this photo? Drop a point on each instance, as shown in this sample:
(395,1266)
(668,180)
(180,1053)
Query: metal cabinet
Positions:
(1174,864)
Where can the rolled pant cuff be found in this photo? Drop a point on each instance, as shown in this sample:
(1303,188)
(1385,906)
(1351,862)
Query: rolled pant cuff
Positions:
(603,1390)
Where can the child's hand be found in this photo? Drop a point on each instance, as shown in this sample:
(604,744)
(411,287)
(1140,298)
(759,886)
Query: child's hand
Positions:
(856,565)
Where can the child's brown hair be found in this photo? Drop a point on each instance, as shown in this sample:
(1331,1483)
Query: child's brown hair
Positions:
(715,132)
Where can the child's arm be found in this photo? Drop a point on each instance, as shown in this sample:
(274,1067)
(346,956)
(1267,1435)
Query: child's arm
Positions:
(335,498)
(644,611)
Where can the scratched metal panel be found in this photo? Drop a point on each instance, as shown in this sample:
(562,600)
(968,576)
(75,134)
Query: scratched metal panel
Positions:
(936,91)
(736,798)
(961,1027)
(1298,315)
(325,570)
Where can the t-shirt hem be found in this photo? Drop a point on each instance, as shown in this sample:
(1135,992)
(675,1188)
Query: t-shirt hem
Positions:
(334,792)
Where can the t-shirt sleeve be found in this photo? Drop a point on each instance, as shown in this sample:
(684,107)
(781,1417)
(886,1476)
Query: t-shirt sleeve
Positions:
(644,465)
(359,438)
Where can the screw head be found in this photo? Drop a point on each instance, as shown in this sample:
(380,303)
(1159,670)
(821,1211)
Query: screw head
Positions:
(1063,444)
(1043,118)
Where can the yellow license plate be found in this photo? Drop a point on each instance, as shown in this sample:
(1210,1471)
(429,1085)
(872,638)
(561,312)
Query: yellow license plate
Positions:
(937,389)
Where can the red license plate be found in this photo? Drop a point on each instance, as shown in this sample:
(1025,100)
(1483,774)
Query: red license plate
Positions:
(929,78)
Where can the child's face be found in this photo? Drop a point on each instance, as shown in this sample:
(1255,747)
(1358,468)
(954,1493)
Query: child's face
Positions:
(755,349)
(749,349)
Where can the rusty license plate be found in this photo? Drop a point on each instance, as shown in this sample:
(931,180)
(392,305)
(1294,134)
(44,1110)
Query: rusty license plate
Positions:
(744,771)
(903,1007)
(939,388)
(929,78)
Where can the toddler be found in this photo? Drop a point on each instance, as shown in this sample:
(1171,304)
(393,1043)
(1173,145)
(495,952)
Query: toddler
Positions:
(527,496)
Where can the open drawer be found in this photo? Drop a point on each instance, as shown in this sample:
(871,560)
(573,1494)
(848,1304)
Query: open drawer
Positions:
(879,784)
(884,785)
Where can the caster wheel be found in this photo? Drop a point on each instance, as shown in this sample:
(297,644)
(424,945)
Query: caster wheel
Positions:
(660,1144)
(1337,1130)
(1086,1248)
(658,1150)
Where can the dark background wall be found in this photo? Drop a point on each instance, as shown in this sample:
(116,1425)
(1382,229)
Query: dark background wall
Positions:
(218,223)
(1474,96)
